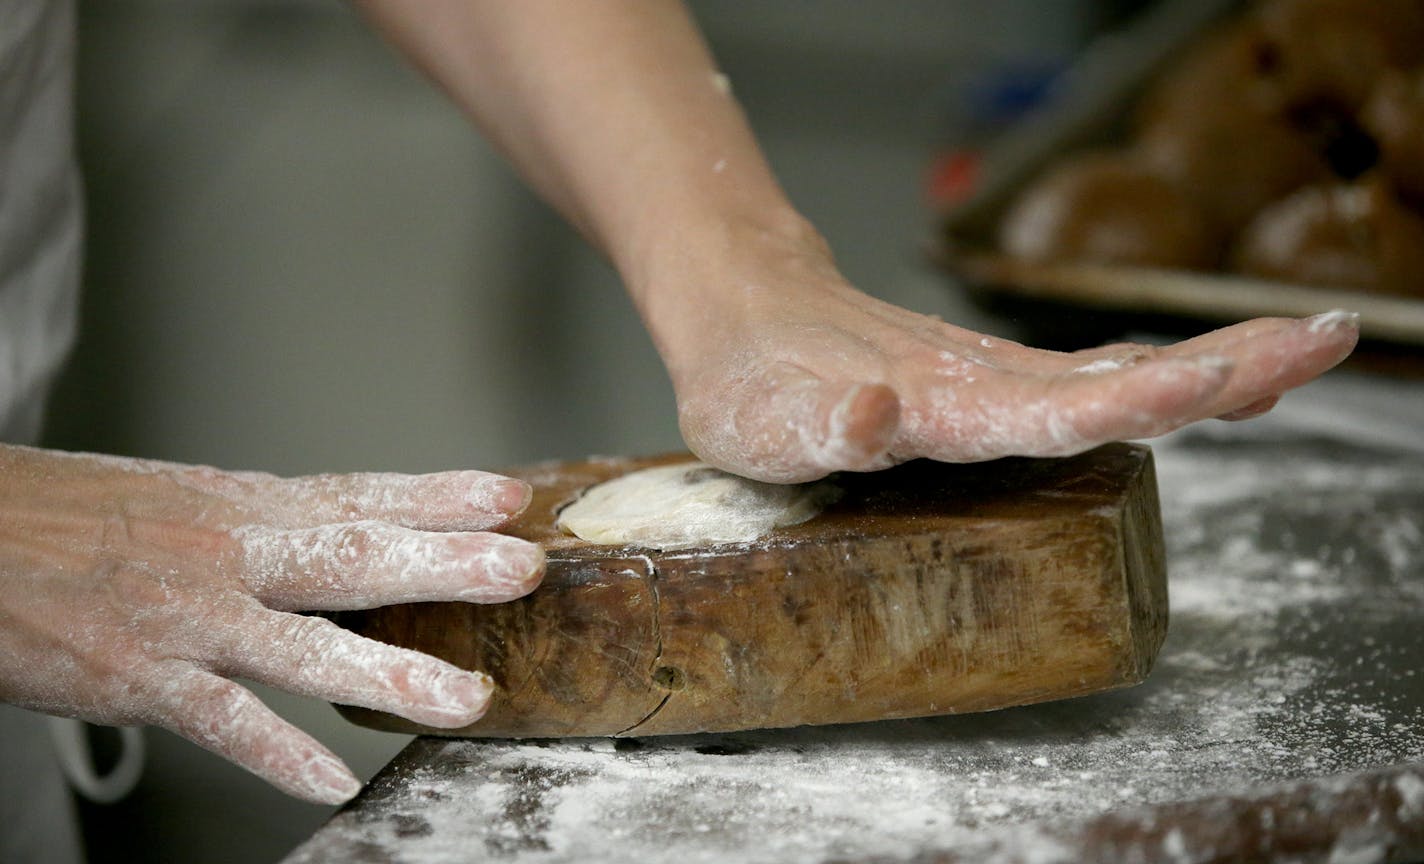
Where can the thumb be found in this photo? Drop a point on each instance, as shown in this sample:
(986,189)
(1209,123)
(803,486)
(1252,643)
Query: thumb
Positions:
(784,424)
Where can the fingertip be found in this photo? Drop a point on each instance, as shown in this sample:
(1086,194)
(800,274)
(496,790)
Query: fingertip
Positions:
(226,718)
(324,779)
(480,693)
(512,496)
(1338,330)
(456,698)
(484,501)
(507,568)
(1334,321)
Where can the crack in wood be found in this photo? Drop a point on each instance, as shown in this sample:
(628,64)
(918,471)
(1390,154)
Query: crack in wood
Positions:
(651,576)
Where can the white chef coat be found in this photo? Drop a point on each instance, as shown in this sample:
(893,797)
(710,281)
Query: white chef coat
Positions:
(40,209)
(40,228)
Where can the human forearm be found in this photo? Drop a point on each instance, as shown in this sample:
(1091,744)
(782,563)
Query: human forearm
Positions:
(616,113)
(784,371)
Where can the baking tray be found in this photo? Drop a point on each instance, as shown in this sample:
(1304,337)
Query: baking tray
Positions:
(1092,108)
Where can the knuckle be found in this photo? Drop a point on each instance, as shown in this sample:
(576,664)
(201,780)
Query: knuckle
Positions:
(205,696)
(309,635)
(214,719)
(331,492)
(342,547)
(349,545)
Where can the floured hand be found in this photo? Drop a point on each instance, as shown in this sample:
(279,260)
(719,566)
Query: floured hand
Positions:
(786,373)
(131,591)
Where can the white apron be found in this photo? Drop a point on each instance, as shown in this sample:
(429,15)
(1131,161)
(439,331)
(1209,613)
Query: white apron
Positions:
(40,217)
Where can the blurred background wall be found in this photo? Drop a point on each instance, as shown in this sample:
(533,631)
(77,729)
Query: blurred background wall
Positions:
(303,259)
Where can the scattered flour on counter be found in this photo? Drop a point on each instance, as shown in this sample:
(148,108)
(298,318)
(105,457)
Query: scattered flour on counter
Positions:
(1292,587)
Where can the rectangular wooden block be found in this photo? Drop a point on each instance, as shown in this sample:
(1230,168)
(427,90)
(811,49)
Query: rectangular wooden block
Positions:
(926,589)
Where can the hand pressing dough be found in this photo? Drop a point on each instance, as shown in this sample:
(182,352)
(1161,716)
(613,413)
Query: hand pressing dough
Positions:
(689,504)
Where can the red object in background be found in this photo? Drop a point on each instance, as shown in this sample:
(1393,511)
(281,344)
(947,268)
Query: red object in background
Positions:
(952,177)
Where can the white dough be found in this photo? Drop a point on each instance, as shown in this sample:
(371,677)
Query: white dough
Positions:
(689,504)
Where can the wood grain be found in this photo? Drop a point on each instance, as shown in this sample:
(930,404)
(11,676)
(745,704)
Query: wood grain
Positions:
(927,589)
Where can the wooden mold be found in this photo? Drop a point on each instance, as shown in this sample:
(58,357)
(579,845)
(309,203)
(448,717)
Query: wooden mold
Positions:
(926,589)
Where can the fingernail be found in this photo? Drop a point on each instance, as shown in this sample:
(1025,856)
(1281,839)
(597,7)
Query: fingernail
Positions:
(512,496)
(463,694)
(520,557)
(1333,320)
(508,568)
(329,781)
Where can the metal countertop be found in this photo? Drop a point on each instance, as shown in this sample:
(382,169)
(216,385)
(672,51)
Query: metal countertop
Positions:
(1285,717)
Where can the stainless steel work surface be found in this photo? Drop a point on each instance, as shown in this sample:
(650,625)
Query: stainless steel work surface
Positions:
(1285,717)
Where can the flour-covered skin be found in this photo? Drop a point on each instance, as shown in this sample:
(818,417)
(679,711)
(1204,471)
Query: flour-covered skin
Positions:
(132,590)
(618,114)
(797,374)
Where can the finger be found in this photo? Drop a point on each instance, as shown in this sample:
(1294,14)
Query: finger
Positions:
(785,425)
(1255,409)
(1032,416)
(1274,355)
(361,565)
(227,719)
(311,656)
(447,501)
(1219,340)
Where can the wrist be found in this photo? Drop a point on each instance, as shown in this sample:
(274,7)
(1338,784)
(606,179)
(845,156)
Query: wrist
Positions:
(708,277)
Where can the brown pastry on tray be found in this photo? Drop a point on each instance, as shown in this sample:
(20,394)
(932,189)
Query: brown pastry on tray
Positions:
(1394,115)
(1233,160)
(1335,51)
(1217,127)
(1231,63)
(1109,208)
(1355,235)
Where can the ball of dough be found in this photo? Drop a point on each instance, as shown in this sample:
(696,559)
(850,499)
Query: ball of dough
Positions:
(1108,208)
(690,504)
(1342,236)
(1394,115)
